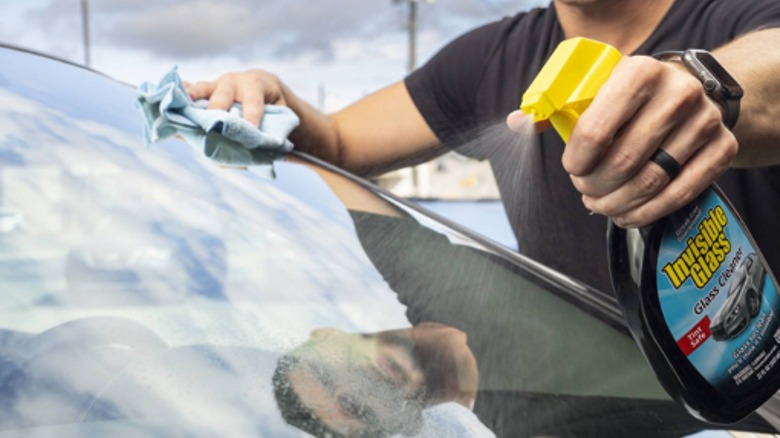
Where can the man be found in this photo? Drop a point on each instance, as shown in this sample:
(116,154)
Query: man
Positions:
(375,384)
(645,105)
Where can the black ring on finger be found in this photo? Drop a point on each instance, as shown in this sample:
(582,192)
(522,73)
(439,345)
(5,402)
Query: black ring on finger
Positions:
(667,162)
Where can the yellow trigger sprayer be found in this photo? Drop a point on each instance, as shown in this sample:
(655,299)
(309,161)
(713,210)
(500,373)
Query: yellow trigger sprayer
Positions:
(698,295)
(568,82)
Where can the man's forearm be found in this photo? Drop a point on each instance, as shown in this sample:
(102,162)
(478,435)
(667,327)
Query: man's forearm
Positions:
(380,132)
(754,61)
(317,133)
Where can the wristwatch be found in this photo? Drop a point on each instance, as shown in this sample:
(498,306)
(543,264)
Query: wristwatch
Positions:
(718,84)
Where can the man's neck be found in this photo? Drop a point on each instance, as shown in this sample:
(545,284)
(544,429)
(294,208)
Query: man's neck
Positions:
(624,24)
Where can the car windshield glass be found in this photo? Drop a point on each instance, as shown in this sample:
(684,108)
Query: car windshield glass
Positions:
(151,291)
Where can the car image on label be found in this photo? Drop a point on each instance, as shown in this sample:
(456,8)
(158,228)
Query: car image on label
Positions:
(743,302)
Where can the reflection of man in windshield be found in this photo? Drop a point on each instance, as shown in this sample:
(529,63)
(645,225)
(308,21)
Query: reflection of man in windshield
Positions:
(374,384)
(546,367)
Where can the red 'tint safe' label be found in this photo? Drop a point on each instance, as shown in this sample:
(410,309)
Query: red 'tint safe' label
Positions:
(695,336)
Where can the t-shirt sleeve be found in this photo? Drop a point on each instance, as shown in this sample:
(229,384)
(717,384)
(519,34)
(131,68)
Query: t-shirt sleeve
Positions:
(445,88)
(744,16)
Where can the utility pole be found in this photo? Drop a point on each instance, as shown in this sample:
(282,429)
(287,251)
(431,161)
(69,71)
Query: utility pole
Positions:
(85,30)
(412,35)
(419,179)
(412,24)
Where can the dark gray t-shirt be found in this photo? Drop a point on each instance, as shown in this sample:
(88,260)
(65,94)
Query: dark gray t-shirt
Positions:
(467,89)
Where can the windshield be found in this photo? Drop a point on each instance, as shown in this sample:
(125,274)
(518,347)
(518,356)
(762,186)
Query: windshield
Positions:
(149,290)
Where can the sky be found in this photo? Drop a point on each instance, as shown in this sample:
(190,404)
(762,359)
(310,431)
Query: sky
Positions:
(329,52)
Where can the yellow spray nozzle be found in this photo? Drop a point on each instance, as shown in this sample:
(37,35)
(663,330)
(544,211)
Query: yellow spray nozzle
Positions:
(568,82)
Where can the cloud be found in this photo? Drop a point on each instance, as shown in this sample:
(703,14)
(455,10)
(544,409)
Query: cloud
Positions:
(191,29)
(199,29)
(204,28)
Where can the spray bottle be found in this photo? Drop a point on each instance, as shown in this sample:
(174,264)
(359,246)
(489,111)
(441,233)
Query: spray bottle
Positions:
(698,296)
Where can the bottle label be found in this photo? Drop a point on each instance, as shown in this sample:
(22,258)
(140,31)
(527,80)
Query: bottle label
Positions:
(717,296)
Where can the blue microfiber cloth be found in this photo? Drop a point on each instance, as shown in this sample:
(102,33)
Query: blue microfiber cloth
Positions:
(223,136)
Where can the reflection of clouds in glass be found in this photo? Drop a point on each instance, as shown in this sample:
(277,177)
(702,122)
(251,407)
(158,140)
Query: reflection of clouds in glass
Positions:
(83,373)
(217,389)
(216,264)
(118,224)
(196,254)
(41,181)
(15,106)
(305,254)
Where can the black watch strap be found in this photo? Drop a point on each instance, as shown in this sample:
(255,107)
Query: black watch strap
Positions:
(713,85)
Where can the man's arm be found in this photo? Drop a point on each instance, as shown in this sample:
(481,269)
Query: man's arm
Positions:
(384,131)
(646,105)
(754,61)
(380,132)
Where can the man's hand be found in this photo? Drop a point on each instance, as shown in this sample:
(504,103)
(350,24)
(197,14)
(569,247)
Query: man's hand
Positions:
(380,132)
(252,89)
(317,134)
(646,105)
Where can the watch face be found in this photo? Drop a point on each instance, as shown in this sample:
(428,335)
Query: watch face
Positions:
(706,60)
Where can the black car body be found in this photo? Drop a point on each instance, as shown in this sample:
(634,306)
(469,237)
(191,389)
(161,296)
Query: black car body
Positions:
(150,292)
